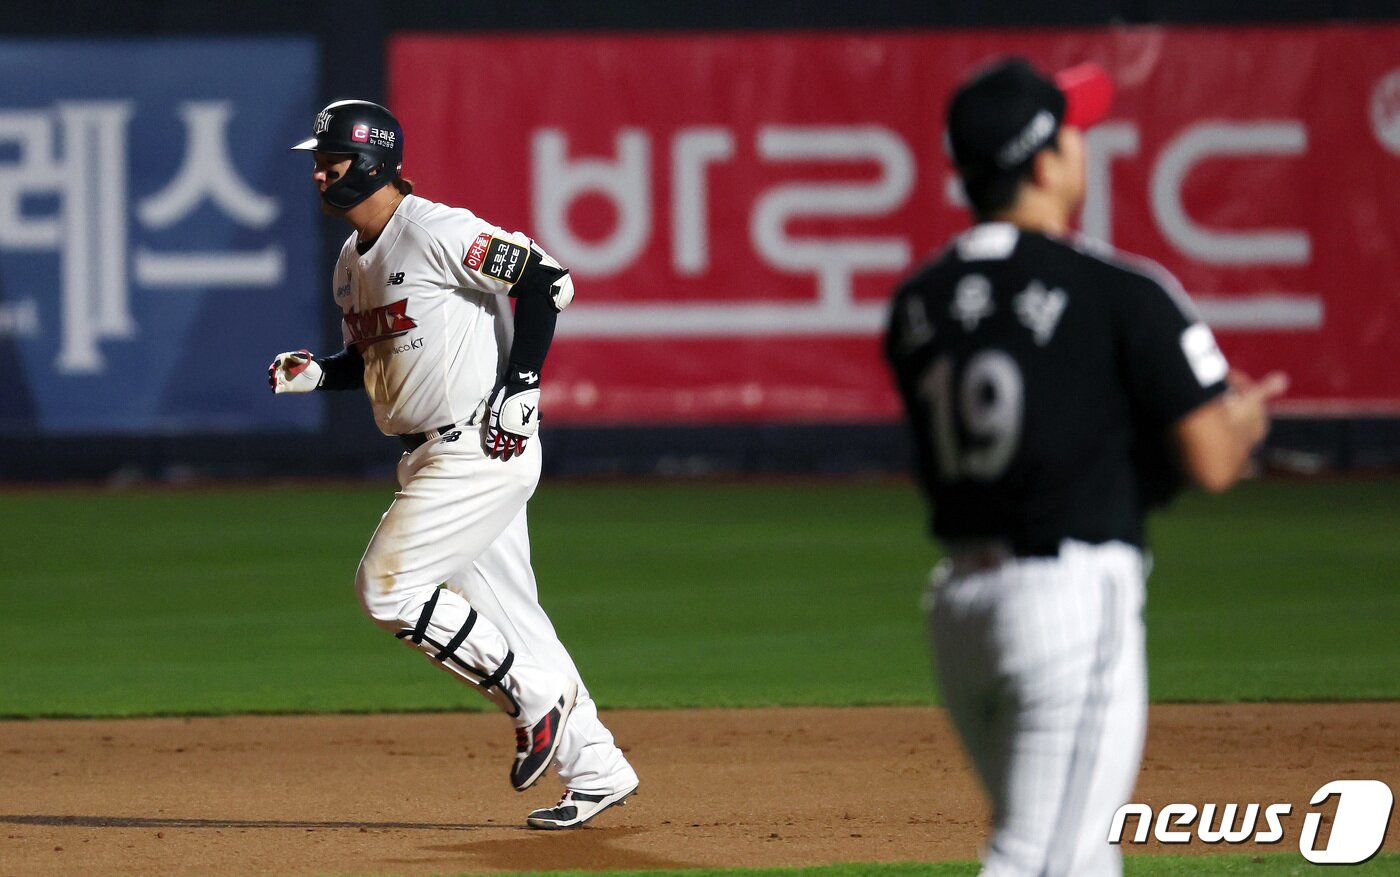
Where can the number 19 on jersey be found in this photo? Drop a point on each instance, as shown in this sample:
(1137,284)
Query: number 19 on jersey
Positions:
(976,419)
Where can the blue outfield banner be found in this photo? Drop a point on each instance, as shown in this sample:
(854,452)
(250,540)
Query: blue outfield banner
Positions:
(158,241)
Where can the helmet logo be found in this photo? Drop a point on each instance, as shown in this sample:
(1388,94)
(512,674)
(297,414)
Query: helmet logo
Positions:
(323,122)
(360,133)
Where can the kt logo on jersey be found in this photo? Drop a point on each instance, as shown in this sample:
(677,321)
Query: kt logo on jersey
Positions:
(385,321)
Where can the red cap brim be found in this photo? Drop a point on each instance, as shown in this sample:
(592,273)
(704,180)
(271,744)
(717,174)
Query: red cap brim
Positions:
(1088,91)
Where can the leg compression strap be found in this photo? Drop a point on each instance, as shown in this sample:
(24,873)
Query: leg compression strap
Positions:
(419,634)
(457,639)
(501,671)
(421,627)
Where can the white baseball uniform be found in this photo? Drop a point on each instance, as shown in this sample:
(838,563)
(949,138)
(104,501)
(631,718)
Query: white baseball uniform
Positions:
(425,305)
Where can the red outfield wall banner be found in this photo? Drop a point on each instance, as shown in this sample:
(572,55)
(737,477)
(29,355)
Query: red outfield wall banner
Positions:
(736,208)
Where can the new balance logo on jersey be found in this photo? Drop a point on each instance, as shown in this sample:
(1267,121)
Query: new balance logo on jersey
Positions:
(1039,310)
(386,321)
(395,279)
(530,377)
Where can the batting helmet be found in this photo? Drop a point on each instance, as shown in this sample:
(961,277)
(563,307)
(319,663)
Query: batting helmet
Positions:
(370,134)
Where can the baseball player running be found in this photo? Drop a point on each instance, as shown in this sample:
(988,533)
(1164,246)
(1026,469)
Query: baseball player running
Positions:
(454,373)
(1056,390)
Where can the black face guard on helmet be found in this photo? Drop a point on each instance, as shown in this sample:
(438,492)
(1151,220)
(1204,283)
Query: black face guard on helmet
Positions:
(371,136)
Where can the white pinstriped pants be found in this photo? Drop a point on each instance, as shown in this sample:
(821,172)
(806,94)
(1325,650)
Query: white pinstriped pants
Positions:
(459,520)
(1043,667)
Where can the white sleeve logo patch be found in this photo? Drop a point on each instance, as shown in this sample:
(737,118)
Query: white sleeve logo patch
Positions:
(1203,355)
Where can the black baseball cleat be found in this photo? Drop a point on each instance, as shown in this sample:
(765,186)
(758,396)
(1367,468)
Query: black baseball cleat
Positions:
(576,808)
(535,745)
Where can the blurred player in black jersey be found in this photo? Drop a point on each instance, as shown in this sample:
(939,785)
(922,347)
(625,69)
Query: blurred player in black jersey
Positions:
(1056,390)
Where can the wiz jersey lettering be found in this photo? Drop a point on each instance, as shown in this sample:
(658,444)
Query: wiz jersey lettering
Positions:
(425,307)
(1042,378)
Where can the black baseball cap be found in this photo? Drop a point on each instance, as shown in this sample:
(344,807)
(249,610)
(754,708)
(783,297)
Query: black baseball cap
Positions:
(1008,112)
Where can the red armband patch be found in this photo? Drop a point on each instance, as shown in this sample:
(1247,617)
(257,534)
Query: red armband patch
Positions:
(476,254)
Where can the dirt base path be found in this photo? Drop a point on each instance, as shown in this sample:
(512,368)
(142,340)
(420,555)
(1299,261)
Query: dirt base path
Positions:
(427,794)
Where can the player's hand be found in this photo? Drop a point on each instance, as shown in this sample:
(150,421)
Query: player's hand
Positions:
(1271,385)
(1249,400)
(294,372)
(515,414)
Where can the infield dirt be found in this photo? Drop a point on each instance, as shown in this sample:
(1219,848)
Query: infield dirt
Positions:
(428,794)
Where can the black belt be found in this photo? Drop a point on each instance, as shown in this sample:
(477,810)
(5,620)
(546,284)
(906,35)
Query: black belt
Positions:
(983,552)
(415,440)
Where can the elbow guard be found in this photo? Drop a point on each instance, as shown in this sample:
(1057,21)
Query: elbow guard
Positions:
(547,278)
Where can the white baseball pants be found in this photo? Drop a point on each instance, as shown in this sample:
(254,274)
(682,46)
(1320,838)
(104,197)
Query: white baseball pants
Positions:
(1042,664)
(459,519)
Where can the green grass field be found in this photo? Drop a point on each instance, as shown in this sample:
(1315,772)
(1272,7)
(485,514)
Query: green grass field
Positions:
(236,600)
(241,600)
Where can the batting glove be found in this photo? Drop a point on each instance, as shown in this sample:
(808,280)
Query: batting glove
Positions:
(294,372)
(515,407)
